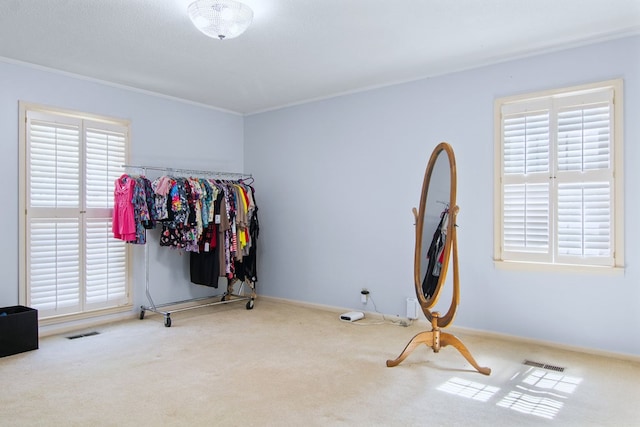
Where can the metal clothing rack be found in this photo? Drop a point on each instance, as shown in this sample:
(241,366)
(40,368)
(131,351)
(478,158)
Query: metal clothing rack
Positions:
(229,295)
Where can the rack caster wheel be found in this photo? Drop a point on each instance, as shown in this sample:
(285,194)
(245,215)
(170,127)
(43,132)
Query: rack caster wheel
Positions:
(167,321)
(141,314)
(250,305)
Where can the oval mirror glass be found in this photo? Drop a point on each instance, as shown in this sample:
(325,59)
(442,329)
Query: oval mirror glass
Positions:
(433,249)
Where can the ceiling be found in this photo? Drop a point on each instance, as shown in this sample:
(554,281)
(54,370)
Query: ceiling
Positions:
(295,50)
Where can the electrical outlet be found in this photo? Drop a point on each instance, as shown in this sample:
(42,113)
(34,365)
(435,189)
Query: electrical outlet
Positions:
(364,295)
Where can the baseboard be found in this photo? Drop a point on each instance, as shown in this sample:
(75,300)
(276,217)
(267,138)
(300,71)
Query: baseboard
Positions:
(84,324)
(89,322)
(525,340)
(474,332)
(330,308)
(304,304)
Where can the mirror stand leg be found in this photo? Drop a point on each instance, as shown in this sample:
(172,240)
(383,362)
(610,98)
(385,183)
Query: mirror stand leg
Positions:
(430,339)
(436,340)
(427,338)
(448,339)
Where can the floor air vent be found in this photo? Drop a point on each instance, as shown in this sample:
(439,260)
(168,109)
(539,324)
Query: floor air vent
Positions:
(88,334)
(544,366)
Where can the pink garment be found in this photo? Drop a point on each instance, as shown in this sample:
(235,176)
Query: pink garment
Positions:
(124,223)
(163,186)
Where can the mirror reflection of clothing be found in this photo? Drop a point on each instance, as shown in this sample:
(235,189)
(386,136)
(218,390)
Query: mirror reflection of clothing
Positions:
(435,256)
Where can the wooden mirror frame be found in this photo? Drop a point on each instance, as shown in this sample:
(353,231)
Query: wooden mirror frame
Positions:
(435,338)
(420,213)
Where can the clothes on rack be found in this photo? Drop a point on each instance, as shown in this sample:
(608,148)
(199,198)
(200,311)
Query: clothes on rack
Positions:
(132,208)
(215,220)
(435,256)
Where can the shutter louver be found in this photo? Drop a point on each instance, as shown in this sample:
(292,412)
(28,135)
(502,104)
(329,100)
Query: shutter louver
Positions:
(526,217)
(584,138)
(105,157)
(526,144)
(54,264)
(584,218)
(106,264)
(54,159)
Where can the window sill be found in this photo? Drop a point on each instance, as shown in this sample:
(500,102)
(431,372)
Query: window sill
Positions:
(55,320)
(558,268)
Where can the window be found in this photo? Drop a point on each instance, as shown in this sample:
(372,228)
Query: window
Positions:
(70,264)
(559,177)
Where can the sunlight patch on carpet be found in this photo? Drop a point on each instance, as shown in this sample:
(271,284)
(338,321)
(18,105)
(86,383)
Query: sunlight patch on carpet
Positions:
(540,393)
(535,405)
(469,389)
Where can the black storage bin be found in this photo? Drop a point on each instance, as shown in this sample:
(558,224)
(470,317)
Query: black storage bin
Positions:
(18,330)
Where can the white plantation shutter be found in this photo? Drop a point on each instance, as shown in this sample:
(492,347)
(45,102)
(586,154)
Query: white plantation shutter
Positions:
(105,277)
(585,182)
(53,214)
(73,263)
(526,185)
(556,181)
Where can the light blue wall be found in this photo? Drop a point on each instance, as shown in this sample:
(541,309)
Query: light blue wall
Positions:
(337,180)
(164,132)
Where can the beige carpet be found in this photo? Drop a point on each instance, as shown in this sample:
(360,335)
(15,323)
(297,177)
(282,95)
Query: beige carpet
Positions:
(286,365)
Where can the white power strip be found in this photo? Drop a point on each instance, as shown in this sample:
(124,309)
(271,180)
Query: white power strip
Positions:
(412,308)
(352,316)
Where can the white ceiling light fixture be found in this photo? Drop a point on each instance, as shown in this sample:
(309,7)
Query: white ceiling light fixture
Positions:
(220,19)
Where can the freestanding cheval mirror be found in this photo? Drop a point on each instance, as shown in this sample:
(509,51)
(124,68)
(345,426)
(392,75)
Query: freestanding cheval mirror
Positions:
(435,245)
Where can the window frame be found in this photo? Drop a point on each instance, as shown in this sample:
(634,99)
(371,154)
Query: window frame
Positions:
(537,100)
(26,108)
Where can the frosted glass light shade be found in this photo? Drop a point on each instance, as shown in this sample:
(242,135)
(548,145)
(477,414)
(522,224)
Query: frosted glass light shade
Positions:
(220,19)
